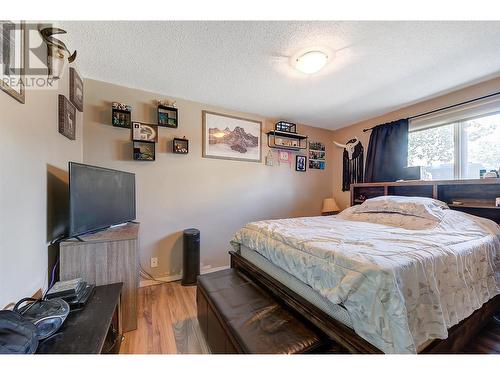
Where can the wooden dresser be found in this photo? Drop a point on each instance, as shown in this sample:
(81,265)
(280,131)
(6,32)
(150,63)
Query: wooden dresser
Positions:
(106,257)
(476,197)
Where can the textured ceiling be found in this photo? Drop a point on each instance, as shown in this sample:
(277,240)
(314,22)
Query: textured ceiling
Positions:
(377,66)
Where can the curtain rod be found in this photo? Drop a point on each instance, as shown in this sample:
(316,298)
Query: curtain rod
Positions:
(447,107)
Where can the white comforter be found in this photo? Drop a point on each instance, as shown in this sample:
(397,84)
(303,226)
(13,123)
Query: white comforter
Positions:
(402,282)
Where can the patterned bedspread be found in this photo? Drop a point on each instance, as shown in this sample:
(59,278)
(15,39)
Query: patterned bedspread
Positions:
(403,280)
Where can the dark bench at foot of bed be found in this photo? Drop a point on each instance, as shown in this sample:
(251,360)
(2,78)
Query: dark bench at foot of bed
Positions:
(237,316)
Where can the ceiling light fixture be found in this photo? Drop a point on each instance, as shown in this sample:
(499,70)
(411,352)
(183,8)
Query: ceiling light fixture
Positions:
(311,62)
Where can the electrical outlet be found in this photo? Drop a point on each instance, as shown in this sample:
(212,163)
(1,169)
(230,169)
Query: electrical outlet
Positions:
(154,262)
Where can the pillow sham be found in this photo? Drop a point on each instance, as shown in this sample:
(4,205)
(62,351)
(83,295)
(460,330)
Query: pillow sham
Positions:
(426,208)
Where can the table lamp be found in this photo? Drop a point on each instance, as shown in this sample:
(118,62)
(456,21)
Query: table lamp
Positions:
(329,207)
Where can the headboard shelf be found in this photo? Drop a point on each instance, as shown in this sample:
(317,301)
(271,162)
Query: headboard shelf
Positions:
(476,197)
(474,205)
(485,181)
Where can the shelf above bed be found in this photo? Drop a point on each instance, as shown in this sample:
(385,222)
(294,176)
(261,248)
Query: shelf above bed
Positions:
(479,206)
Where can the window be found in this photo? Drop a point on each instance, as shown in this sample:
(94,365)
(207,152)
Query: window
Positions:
(458,150)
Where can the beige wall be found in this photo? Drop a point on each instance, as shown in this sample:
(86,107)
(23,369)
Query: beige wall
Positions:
(33,165)
(181,191)
(356,130)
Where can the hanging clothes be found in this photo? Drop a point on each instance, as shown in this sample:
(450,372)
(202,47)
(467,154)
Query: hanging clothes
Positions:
(353,165)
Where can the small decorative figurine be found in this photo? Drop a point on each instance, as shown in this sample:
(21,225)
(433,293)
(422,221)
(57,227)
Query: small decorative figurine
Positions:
(167,103)
(122,107)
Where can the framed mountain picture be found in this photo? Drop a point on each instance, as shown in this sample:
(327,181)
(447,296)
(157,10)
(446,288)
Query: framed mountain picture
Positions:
(231,137)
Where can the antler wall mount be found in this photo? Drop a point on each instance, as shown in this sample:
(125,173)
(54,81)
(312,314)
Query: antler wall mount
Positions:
(56,51)
(349,147)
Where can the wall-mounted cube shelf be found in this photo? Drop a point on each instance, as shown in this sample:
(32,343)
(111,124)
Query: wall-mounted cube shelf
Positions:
(144,151)
(286,140)
(168,116)
(121,115)
(180,146)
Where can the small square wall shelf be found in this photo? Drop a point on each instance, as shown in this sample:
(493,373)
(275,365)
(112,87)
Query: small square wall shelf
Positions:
(168,116)
(121,115)
(144,151)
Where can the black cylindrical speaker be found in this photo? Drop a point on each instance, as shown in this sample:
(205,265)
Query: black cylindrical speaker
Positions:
(191,256)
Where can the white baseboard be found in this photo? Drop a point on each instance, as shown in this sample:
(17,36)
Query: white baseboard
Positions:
(170,278)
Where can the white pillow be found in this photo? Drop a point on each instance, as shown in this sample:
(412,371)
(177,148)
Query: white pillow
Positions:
(426,208)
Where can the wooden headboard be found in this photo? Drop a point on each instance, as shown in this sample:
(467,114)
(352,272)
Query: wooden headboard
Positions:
(477,197)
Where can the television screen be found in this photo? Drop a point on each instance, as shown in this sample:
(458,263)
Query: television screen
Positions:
(99,197)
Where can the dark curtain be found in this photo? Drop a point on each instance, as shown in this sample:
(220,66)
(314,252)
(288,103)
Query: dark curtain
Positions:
(387,152)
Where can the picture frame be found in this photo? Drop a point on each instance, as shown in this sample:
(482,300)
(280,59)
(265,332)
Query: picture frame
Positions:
(144,132)
(316,164)
(144,151)
(316,146)
(300,163)
(67,118)
(75,89)
(317,155)
(231,137)
(13,58)
(284,157)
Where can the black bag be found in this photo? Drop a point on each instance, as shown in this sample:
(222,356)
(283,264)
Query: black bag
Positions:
(17,335)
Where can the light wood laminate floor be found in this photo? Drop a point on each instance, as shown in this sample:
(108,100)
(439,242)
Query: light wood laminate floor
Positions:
(167,324)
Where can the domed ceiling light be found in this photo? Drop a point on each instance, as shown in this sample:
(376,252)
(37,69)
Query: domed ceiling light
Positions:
(311,62)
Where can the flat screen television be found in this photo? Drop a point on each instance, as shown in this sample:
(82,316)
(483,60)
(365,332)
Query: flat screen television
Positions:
(99,198)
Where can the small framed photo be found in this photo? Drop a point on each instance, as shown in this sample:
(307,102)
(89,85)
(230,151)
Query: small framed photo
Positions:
(144,151)
(317,146)
(316,164)
(180,146)
(75,89)
(67,118)
(317,155)
(144,132)
(283,156)
(300,163)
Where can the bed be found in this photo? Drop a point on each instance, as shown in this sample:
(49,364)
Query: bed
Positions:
(393,275)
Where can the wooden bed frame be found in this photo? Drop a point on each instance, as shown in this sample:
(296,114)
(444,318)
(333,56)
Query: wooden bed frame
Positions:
(458,335)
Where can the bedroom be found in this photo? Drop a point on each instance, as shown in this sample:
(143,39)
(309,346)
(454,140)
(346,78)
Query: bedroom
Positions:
(257,186)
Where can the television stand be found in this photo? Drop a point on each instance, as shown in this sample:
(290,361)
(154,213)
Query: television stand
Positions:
(105,257)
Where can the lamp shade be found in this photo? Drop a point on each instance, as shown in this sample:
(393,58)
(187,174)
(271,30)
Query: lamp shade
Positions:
(329,205)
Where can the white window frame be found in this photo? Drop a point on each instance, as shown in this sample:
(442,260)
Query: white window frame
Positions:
(457,116)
